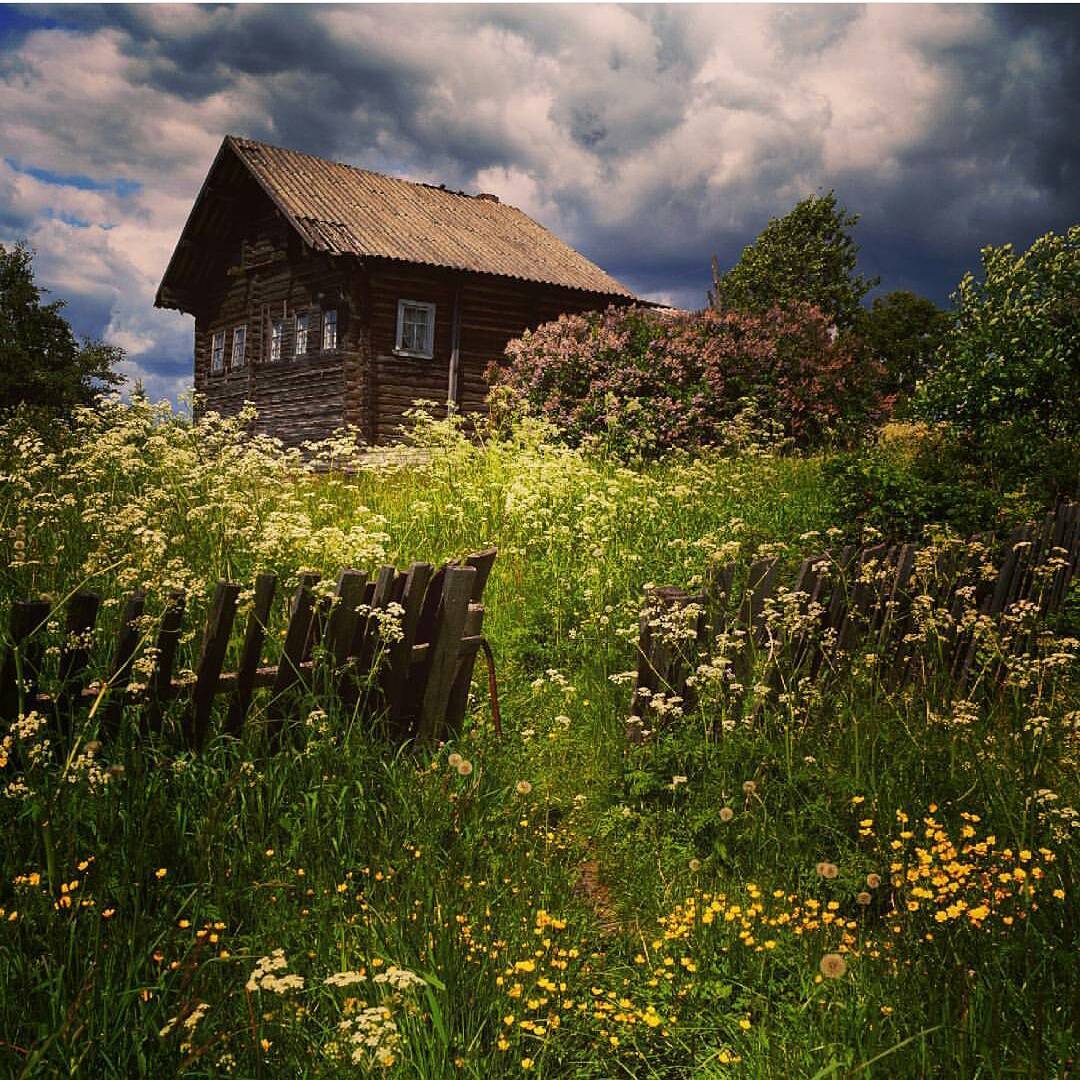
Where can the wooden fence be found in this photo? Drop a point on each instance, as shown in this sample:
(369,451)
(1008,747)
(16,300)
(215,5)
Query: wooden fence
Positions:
(867,599)
(420,681)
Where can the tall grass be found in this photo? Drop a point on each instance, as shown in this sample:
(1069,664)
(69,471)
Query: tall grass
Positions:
(749,908)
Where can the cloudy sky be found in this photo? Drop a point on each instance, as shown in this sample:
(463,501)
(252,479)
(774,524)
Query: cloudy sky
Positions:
(650,137)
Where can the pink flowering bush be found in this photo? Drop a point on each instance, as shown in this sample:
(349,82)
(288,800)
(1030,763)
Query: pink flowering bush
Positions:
(648,381)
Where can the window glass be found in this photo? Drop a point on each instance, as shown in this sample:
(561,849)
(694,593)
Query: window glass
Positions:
(416,328)
(301,333)
(239,345)
(277,337)
(329,333)
(217,352)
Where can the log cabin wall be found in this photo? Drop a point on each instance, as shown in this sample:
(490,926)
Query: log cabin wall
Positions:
(493,310)
(300,396)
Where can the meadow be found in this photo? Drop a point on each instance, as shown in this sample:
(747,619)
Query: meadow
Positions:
(854,880)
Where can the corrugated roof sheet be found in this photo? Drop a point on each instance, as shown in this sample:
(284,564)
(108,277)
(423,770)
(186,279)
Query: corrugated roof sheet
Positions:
(345,210)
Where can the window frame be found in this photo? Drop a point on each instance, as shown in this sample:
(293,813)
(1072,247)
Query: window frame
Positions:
(217,352)
(277,340)
(240,330)
(329,318)
(301,336)
(429,352)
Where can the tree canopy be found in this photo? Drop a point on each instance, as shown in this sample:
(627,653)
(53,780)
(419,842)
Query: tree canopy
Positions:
(903,331)
(1012,355)
(806,256)
(42,363)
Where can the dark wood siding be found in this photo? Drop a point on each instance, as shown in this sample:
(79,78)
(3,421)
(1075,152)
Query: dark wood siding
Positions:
(493,311)
(297,397)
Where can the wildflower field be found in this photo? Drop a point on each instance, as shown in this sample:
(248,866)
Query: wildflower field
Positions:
(845,880)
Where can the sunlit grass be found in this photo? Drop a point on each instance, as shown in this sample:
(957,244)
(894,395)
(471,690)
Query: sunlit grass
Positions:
(751,910)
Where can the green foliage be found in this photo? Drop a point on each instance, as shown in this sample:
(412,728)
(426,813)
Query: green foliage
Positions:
(903,331)
(809,256)
(42,365)
(1010,364)
(908,480)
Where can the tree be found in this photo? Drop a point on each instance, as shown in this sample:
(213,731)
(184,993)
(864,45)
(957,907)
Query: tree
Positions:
(808,255)
(1012,355)
(42,364)
(903,331)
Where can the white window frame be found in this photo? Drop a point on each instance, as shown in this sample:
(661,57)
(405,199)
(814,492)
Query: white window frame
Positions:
(301,326)
(428,351)
(329,320)
(277,340)
(239,347)
(217,352)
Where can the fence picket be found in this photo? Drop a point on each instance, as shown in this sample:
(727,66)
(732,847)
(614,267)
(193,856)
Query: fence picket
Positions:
(457,586)
(219,622)
(251,652)
(82,612)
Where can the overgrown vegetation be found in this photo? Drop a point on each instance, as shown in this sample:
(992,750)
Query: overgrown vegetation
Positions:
(832,884)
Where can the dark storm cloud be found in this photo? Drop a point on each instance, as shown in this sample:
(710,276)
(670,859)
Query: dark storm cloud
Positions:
(651,137)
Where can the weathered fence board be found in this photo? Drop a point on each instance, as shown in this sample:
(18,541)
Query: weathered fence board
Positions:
(421,681)
(866,600)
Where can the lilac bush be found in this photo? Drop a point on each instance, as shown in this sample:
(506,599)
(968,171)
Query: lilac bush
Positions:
(648,380)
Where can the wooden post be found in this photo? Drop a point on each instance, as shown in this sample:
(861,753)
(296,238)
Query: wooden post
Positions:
(289,672)
(161,688)
(397,680)
(82,613)
(453,390)
(215,642)
(446,638)
(251,652)
(127,641)
(22,658)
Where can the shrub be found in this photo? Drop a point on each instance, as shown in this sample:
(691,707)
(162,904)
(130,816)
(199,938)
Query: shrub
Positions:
(649,381)
(915,475)
(1008,375)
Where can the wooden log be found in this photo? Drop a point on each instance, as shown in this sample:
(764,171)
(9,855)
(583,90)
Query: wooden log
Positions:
(457,587)
(219,623)
(251,652)
(127,641)
(21,666)
(82,612)
(168,638)
(290,670)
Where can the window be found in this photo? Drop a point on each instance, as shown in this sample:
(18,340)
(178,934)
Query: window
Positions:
(301,334)
(239,343)
(277,337)
(217,352)
(329,330)
(415,329)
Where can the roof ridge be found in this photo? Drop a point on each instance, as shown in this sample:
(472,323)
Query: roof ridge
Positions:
(244,140)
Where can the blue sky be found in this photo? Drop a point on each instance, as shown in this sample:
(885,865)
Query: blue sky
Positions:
(650,137)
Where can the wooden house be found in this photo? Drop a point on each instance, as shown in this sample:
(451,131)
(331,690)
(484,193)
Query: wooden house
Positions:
(329,295)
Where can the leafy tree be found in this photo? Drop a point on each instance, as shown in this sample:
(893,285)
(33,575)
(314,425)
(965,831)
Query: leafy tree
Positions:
(903,331)
(806,256)
(42,364)
(1012,356)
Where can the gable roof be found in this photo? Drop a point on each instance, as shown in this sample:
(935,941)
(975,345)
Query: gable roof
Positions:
(343,210)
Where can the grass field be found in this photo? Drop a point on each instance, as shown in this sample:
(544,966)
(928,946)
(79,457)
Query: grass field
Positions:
(859,882)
